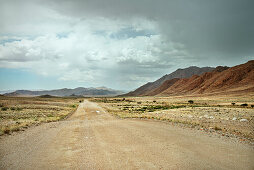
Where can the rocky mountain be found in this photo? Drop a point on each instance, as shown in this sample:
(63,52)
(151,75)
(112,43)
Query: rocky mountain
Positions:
(80,91)
(239,78)
(225,80)
(180,73)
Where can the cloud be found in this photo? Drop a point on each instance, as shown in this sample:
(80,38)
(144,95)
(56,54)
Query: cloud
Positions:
(123,44)
(90,53)
(219,29)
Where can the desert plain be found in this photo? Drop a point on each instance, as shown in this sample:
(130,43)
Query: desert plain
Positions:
(127,133)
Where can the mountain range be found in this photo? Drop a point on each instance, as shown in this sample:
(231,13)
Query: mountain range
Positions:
(80,91)
(195,80)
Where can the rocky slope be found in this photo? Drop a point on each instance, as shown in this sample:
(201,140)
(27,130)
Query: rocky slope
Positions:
(194,80)
(235,79)
(180,73)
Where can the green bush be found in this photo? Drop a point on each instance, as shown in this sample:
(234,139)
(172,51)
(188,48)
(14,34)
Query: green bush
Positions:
(18,109)
(4,108)
(158,107)
(217,128)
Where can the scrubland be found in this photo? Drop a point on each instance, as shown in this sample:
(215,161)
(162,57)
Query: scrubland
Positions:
(221,114)
(18,113)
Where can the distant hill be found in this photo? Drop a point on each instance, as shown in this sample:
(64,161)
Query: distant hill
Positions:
(225,80)
(6,91)
(80,91)
(180,73)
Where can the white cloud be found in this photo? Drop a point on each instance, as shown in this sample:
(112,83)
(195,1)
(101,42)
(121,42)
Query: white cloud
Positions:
(85,53)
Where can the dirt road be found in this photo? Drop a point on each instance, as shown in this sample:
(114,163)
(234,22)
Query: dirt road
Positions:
(92,139)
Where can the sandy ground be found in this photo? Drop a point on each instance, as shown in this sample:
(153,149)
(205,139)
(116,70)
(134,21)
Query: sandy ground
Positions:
(92,139)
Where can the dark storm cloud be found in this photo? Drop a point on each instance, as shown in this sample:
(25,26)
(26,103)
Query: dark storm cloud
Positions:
(219,28)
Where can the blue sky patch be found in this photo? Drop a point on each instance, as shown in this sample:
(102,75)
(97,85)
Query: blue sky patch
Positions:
(130,32)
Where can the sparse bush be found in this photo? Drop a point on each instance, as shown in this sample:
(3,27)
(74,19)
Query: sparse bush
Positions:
(18,109)
(217,128)
(244,105)
(7,131)
(233,104)
(73,105)
(4,108)
(36,110)
(190,101)
(158,107)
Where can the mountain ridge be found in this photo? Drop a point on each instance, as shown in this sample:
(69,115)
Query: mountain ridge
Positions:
(237,78)
(179,73)
(79,91)
(222,79)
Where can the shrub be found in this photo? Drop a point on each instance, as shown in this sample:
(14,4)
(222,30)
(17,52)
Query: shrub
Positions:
(18,109)
(233,104)
(252,105)
(7,131)
(12,108)
(190,101)
(4,108)
(154,101)
(244,105)
(217,128)
(138,102)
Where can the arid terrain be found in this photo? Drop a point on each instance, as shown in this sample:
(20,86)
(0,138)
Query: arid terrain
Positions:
(18,113)
(91,138)
(224,114)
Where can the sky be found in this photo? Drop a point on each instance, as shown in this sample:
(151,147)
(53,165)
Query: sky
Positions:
(121,44)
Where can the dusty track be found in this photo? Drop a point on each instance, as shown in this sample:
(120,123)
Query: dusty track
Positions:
(96,140)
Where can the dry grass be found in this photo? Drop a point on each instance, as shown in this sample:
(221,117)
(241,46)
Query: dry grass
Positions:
(18,113)
(210,113)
